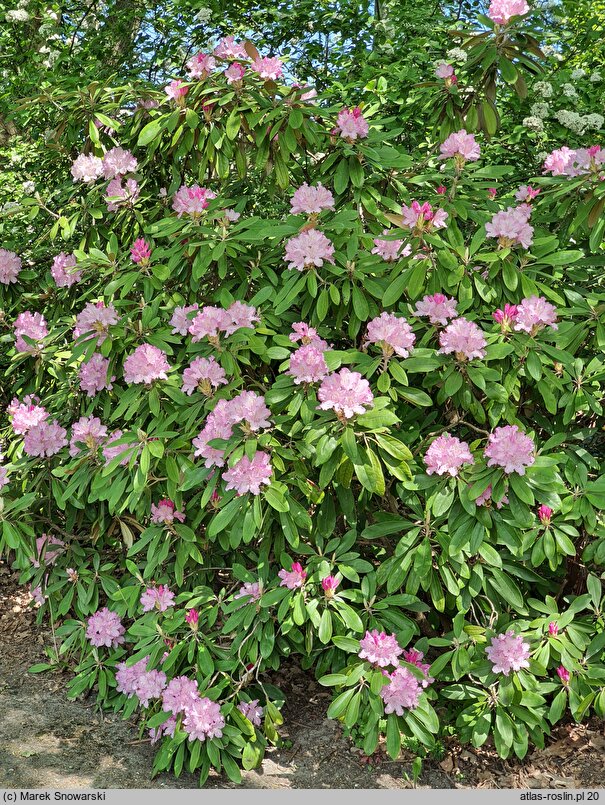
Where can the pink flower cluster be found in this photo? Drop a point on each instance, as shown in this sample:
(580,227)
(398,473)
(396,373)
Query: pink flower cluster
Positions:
(26,414)
(93,375)
(510,449)
(507,652)
(248,475)
(460,146)
(229,49)
(511,227)
(136,680)
(62,270)
(421,217)
(192,200)
(380,648)
(160,598)
(146,364)
(44,439)
(204,375)
(438,308)
(118,194)
(104,628)
(269,68)
(247,408)
(235,73)
(181,318)
(201,65)
(88,432)
(203,720)
(392,333)
(502,11)
(294,578)
(575,162)
(45,553)
(535,313)
(33,326)
(311,200)
(251,711)
(165,513)
(251,590)
(176,90)
(391,250)
(118,162)
(96,319)
(346,393)
(307,364)
(402,691)
(447,454)
(309,250)
(140,251)
(463,338)
(351,124)
(10,266)
(86,168)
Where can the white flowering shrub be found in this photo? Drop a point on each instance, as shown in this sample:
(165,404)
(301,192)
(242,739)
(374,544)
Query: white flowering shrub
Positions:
(275,386)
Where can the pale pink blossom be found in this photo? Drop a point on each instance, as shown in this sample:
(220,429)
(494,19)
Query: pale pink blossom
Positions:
(228,48)
(118,162)
(252,590)
(165,513)
(351,124)
(463,338)
(104,628)
(510,448)
(379,648)
(232,216)
(507,652)
(30,325)
(215,428)
(93,375)
(203,720)
(391,250)
(415,657)
(501,11)
(535,313)
(160,598)
(560,162)
(209,322)
(203,374)
(486,496)
(192,200)
(439,308)
(62,270)
(95,319)
(444,70)
(89,432)
(111,450)
(526,193)
(248,475)
(181,321)
(166,729)
(446,455)
(511,227)
(250,408)
(307,364)
(461,146)
(240,315)
(86,168)
(180,693)
(268,67)
(10,266)
(235,73)
(201,65)
(176,90)
(402,692)
(392,333)
(292,579)
(309,250)
(311,200)
(149,685)
(306,335)
(118,194)
(346,393)
(48,548)
(146,364)
(421,217)
(251,711)
(44,439)
(26,414)
(140,251)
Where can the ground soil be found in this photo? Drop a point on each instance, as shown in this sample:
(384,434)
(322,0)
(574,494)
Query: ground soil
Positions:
(47,741)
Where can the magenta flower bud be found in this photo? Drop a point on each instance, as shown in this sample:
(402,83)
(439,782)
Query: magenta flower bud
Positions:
(442,190)
(140,252)
(563,675)
(545,513)
(492,192)
(192,619)
(329,585)
(506,317)
(553,629)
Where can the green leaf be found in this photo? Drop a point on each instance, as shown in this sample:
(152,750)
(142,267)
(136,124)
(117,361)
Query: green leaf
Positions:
(149,132)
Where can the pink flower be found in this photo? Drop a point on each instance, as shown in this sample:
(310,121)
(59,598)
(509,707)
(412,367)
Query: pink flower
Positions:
(176,90)
(507,317)
(95,319)
(391,250)
(61,273)
(127,676)
(402,692)
(509,448)
(26,414)
(553,629)
(250,408)
(159,598)
(240,315)
(447,454)
(118,194)
(31,325)
(351,124)
(545,514)
(511,227)
(486,496)
(164,513)
(228,48)
(45,553)
(560,162)
(105,629)
(167,728)
(86,168)
(307,335)
(203,720)
(563,675)
(307,364)
(308,250)
(492,192)
(439,308)
(93,375)
(508,653)
(192,618)
(112,450)
(269,68)
(201,65)
(461,146)
(146,364)
(248,475)
(180,693)
(346,393)
(379,648)
(10,266)
(209,321)
(392,333)
(118,162)
(89,432)
(251,590)
(140,251)
(311,200)
(192,200)
(181,321)
(292,579)
(415,657)
(251,711)
(44,439)
(526,193)
(501,11)
(235,73)
(442,190)
(535,313)
(463,338)
(420,217)
(329,585)
(136,680)
(203,374)
(444,70)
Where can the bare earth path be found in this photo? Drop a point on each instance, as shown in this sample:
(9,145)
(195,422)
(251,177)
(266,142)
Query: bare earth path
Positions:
(47,741)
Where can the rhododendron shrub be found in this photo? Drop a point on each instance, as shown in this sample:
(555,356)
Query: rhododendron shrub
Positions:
(298,389)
